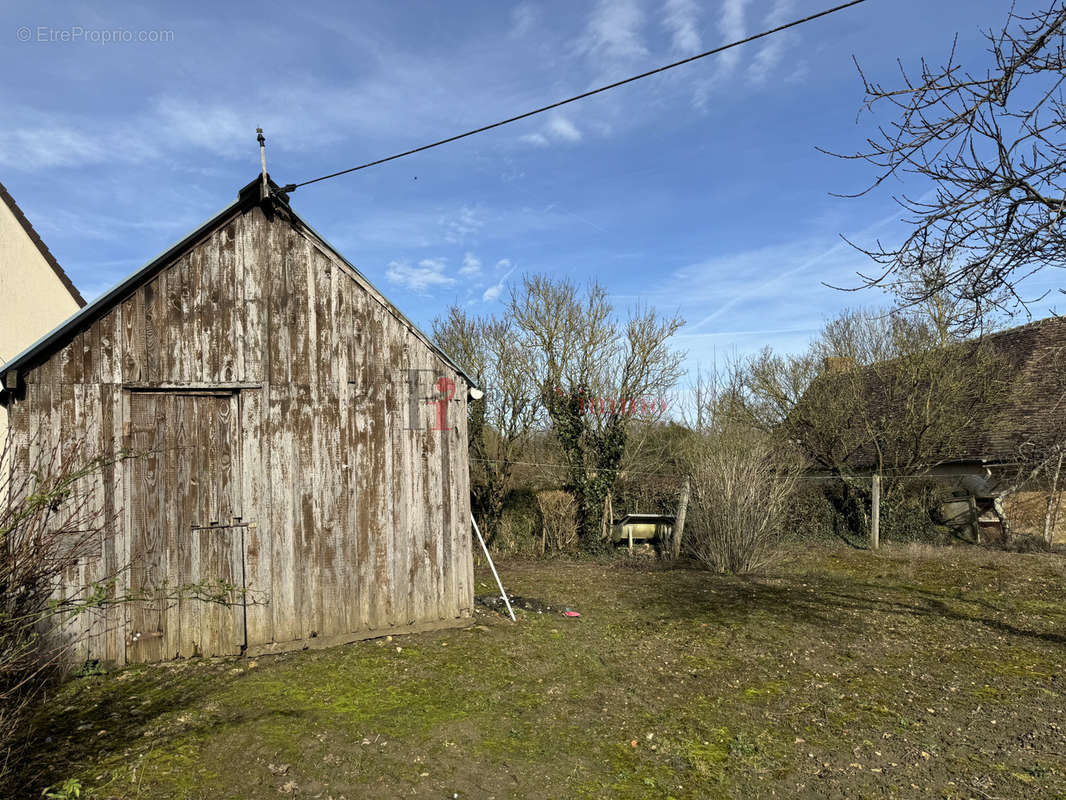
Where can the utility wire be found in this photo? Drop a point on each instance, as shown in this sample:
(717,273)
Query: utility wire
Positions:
(294,186)
(926,476)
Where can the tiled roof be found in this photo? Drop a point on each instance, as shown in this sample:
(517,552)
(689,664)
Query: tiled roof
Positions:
(1034,415)
(1026,418)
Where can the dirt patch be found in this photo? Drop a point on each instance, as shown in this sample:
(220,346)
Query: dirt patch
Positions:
(519,603)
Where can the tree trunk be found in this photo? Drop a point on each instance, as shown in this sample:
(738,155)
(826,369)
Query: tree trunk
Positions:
(608,518)
(679,522)
(1051,512)
(591,497)
(875,513)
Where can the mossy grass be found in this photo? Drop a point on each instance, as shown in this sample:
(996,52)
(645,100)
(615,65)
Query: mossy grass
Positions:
(840,673)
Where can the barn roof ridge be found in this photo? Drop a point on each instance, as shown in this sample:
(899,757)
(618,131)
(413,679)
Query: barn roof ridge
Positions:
(247,196)
(42,248)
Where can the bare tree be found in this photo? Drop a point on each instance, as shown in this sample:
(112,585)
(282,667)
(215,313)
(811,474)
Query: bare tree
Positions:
(877,392)
(991,141)
(876,389)
(50,517)
(741,490)
(740,478)
(592,371)
(499,423)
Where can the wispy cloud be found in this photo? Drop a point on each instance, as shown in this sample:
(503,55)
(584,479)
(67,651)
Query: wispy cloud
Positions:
(39,148)
(768,57)
(613,31)
(682,22)
(737,288)
(33,140)
(535,139)
(411,231)
(779,13)
(305,112)
(471,265)
(428,273)
(523,18)
(558,128)
(562,128)
(217,129)
(103,224)
(731,24)
(493,292)
(461,225)
(773,50)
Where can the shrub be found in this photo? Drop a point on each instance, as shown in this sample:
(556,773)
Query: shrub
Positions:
(828,510)
(741,492)
(812,517)
(558,511)
(50,517)
(909,514)
(521,529)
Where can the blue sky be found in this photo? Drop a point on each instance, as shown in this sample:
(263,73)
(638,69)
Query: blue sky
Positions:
(698,191)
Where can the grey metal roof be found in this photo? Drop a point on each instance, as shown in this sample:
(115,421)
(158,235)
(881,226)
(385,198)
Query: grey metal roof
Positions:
(667,519)
(246,198)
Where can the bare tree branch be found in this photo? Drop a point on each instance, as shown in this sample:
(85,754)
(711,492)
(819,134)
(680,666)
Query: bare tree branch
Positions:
(992,146)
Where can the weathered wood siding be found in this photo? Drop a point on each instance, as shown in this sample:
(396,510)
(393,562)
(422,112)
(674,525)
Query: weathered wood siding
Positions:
(353,516)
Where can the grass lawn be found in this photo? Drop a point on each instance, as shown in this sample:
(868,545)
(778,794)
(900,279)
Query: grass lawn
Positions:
(935,673)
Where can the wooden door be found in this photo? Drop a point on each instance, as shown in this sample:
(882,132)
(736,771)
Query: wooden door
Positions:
(187,537)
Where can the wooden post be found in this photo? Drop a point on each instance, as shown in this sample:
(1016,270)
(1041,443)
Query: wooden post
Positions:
(629,530)
(875,513)
(679,521)
(1004,523)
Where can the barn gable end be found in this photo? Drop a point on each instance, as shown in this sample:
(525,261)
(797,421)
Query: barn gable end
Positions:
(285,412)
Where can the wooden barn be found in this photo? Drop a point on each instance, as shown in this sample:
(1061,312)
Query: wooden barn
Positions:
(292,435)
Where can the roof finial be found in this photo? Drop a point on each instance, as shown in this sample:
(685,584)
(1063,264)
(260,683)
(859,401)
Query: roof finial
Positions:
(264,189)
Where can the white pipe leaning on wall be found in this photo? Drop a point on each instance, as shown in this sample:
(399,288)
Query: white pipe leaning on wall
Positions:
(492,566)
